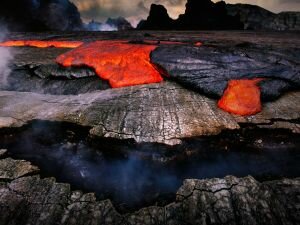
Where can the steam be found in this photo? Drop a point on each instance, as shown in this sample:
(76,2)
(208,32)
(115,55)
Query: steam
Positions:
(95,26)
(6,56)
(135,175)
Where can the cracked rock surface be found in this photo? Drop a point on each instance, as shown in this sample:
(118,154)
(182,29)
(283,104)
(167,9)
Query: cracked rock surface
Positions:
(162,112)
(29,199)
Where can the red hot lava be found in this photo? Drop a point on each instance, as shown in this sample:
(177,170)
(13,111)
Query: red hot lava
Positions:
(121,63)
(41,44)
(242,97)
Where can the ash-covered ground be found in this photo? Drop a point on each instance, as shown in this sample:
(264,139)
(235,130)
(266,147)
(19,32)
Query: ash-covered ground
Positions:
(136,146)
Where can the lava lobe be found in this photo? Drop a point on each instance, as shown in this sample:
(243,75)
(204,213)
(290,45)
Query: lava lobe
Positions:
(121,63)
(242,97)
(41,44)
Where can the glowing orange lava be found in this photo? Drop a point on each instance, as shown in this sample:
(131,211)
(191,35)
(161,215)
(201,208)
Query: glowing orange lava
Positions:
(242,97)
(42,44)
(120,63)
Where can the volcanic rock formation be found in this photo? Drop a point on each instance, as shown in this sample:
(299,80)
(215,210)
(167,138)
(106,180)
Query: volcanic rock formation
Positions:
(257,18)
(168,107)
(209,69)
(40,15)
(26,198)
(199,14)
(158,19)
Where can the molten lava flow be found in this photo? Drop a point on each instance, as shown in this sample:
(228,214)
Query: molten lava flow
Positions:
(241,97)
(120,63)
(42,44)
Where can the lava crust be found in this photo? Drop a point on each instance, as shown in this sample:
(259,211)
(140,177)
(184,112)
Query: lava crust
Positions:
(209,69)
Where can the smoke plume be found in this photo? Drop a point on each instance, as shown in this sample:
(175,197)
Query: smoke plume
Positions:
(6,57)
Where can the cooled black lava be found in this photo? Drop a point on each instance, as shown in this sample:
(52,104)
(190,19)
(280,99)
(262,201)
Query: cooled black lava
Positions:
(136,175)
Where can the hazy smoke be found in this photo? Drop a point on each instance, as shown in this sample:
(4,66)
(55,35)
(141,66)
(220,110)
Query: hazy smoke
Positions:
(6,56)
(95,26)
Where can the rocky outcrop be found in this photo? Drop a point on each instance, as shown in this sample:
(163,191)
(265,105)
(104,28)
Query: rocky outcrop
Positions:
(257,18)
(199,15)
(206,15)
(28,199)
(158,19)
(40,15)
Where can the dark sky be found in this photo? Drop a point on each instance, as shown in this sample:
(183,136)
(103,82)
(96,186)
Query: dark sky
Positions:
(134,10)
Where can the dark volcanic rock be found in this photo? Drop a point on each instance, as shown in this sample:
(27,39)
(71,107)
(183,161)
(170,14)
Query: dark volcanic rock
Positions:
(29,199)
(53,79)
(257,18)
(158,19)
(40,15)
(204,14)
(199,14)
(208,69)
(54,70)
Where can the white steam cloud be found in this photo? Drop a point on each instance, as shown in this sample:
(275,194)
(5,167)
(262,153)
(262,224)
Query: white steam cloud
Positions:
(6,56)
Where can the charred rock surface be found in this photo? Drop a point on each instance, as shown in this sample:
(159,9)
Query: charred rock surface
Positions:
(29,199)
(35,70)
(208,69)
(53,80)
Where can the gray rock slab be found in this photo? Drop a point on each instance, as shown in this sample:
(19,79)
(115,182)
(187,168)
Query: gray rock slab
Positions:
(230,200)
(161,113)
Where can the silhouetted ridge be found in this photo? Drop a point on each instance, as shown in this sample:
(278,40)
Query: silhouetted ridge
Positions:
(199,14)
(158,19)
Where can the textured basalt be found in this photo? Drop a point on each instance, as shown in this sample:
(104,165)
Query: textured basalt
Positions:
(29,199)
(208,69)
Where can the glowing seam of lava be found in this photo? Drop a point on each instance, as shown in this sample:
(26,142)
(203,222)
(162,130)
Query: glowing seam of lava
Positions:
(242,97)
(41,44)
(119,62)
